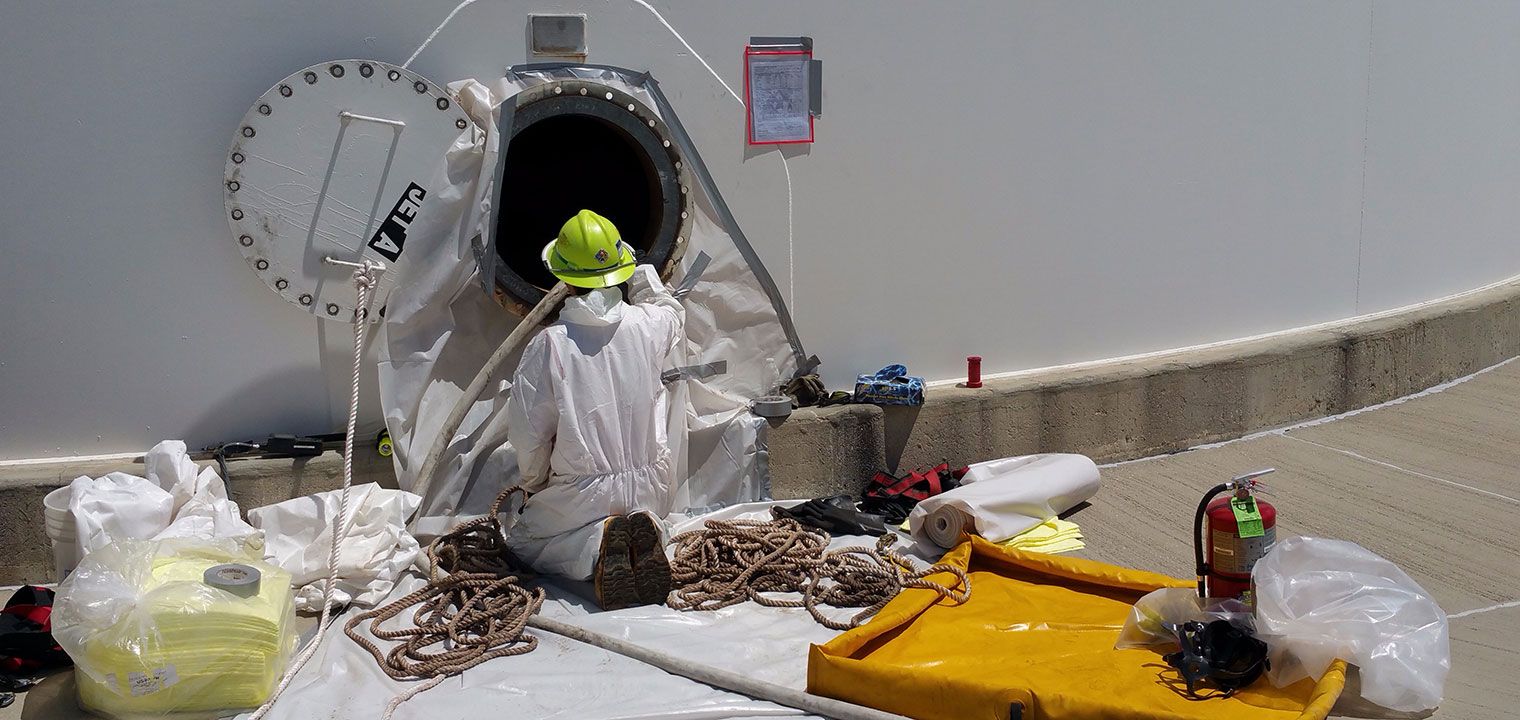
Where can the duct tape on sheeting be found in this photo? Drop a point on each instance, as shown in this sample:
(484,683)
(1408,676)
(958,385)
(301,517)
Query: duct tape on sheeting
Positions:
(694,372)
(439,328)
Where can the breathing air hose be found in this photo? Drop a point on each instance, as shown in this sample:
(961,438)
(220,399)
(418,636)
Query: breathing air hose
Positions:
(514,341)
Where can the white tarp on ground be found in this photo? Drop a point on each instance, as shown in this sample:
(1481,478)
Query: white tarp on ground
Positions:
(440,327)
(567,680)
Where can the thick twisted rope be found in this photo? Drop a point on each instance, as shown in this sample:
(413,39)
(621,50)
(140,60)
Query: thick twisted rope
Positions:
(731,561)
(473,609)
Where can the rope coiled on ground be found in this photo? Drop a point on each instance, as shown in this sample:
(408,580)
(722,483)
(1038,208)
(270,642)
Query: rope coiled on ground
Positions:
(473,609)
(731,561)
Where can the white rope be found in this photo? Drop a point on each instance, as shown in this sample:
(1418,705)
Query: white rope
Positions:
(791,265)
(692,50)
(434,34)
(791,272)
(390,707)
(364,284)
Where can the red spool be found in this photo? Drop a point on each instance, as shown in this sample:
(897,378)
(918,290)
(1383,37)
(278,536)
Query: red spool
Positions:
(974,371)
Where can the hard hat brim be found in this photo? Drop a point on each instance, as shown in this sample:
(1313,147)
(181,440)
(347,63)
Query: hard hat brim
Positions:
(618,275)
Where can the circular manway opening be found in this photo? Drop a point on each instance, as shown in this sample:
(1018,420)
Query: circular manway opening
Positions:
(572,152)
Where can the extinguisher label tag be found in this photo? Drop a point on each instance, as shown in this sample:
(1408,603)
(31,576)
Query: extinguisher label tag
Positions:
(1236,555)
(1247,517)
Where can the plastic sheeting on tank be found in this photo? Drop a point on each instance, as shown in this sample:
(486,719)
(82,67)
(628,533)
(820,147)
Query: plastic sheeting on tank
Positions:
(440,327)
(567,680)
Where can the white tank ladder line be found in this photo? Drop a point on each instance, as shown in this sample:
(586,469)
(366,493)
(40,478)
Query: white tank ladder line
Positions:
(366,276)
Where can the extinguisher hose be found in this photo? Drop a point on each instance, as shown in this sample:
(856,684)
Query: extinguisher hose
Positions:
(1198,539)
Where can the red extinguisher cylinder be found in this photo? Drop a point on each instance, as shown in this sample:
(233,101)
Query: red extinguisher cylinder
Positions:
(1230,556)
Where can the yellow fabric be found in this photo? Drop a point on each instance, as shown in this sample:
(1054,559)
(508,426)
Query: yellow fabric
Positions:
(1038,630)
(1050,537)
(187,646)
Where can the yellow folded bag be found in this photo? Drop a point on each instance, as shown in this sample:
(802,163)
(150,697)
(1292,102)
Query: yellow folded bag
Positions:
(1035,642)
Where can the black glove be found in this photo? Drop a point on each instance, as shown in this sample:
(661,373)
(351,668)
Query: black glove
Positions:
(835,515)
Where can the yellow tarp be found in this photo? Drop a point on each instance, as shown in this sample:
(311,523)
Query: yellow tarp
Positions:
(1038,631)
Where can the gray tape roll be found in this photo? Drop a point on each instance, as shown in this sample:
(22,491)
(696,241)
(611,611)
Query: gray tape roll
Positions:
(240,580)
(772,406)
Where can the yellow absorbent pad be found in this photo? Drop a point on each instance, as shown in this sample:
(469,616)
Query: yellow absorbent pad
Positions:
(1051,537)
(1035,642)
(149,637)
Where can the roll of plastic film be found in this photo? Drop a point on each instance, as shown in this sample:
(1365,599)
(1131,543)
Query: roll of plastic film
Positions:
(945,525)
(240,580)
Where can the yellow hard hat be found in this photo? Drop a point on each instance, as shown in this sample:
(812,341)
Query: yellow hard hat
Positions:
(589,253)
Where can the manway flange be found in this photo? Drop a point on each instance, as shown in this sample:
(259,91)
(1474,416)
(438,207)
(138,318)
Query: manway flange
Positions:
(642,128)
(335,161)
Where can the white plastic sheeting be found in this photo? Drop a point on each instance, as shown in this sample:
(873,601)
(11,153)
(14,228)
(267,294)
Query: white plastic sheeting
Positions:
(1318,600)
(376,548)
(176,500)
(999,499)
(440,327)
(567,680)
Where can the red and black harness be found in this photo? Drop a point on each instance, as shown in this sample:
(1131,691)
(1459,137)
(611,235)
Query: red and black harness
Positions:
(894,497)
(27,649)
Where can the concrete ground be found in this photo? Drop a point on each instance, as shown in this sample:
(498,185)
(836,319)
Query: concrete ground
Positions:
(1429,482)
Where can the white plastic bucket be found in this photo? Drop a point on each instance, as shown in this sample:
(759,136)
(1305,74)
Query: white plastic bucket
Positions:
(59,523)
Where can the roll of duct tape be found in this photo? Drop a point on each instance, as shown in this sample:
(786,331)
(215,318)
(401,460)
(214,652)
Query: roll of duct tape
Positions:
(945,525)
(772,407)
(240,580)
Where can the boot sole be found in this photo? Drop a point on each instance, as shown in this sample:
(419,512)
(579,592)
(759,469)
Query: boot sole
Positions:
(651,570)
(615,587)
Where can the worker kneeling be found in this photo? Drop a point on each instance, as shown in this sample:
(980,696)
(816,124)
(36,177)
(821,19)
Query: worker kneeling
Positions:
(588,414)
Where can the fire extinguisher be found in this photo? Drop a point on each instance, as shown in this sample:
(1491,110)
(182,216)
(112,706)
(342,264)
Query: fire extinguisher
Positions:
(1241,529)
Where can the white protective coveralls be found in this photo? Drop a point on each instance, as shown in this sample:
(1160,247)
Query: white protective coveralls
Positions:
(588,415)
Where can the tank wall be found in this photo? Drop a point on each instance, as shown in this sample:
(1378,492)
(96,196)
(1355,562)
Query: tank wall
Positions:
(1038,183)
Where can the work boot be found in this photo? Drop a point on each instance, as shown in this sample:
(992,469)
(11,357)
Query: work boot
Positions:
(651,571)
(614,576)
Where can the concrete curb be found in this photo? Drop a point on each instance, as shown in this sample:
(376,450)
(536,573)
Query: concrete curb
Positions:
(254,482)
(1111,411)
(1127,409)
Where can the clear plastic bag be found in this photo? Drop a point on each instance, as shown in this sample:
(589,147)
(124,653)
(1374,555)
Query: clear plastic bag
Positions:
(151,637)
(1154,620)
(1318,600)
